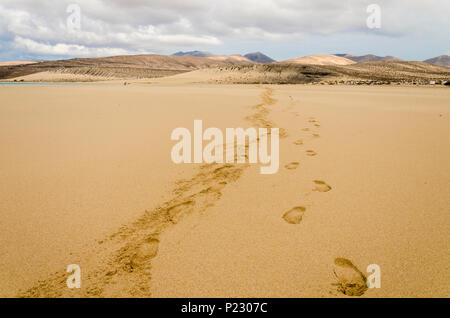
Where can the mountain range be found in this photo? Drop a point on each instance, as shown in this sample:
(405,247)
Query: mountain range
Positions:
(443,60)
(318,59)
(259,57)
(256,57)
(369,58)
(194,53)
(153,65)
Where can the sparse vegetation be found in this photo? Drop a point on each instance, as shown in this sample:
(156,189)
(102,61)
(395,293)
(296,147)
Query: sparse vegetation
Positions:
(153,66)
(368,73)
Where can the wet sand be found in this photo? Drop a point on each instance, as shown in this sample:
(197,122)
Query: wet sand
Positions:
(86,178)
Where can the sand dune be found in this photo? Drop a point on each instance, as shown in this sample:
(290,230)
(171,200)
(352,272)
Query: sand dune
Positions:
(273,73)
(363,179)
(132,66)
(61,76)
(93,74)
(395,71)
(320,59)
(321,68)
(251,74)
(284,73)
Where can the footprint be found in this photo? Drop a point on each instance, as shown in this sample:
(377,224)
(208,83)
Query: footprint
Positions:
(305,129)
(292,165)
(215,187)
(310,153)
(316,135)
(317,125)
(177,212)
(312,120)
(350,280)
(321,186)
(298,142)
(144,253)
(283,133)
(294,215)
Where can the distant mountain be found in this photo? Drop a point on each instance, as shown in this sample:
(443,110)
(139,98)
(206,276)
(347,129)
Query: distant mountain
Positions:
(194,53)
(344,55)
(231,59)
(258,57)
(320,59)
(369,58)
(443,60)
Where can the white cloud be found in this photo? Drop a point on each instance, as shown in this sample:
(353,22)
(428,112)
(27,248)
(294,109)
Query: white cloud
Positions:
(164,25)
(64,49)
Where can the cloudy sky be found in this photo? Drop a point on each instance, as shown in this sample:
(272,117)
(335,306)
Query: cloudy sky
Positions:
(49,29)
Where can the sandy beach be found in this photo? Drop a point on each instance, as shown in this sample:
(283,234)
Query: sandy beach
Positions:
(86,178)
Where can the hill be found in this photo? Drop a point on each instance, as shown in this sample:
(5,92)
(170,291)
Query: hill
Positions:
(194,53)
(402,71)
(443,60)
(320,59)
(259,57)
(124,67)
(231,59)
(369,58)
(377,72)
(228,69)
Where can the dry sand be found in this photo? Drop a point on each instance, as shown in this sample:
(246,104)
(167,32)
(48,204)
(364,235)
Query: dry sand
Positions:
(364,178)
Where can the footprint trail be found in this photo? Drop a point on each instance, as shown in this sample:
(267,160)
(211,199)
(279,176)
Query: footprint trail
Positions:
(120,265)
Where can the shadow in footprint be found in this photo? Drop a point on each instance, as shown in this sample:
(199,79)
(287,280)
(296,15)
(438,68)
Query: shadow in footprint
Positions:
(176,212)
(294,215)
(298,142)
(321,186)
(350,280)
(310,153)
(292,165)
(144,253)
